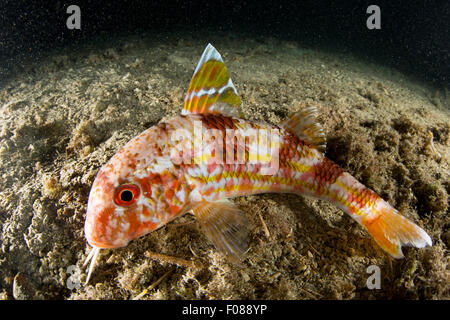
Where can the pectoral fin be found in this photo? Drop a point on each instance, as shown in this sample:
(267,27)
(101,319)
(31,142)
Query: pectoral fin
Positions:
(225,225)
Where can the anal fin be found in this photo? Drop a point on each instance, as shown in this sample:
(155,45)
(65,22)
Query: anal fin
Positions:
(225,225)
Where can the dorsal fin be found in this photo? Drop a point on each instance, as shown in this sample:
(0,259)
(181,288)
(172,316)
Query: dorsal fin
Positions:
(211,89)
(304,124)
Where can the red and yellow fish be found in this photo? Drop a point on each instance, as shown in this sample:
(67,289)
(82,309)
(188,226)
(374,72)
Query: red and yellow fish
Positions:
(196,161)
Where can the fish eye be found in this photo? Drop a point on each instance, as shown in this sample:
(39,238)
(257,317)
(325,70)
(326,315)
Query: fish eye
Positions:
(126,194)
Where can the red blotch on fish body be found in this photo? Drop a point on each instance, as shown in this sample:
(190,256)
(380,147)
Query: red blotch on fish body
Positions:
(365,197)
(326,172)
(154,178)
(174,209)
(145,186)
(169,193)
(229,185)
(209,191)
(211,167)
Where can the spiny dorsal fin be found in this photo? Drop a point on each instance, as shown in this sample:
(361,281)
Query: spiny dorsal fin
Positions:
(304,124)
(225,225)
(211,89)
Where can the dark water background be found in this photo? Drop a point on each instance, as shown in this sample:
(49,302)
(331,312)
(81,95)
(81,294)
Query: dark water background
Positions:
(414,35)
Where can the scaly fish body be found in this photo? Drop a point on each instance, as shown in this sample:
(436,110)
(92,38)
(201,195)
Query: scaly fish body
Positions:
(195,161)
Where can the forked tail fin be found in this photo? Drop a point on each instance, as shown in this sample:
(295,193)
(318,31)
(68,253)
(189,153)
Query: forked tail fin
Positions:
(392,231)
(388,228)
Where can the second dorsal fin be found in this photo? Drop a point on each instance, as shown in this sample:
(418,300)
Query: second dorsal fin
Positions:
(211,89)
(304,124)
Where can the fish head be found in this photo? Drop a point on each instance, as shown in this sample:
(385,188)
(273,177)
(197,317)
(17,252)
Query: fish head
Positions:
(121,205)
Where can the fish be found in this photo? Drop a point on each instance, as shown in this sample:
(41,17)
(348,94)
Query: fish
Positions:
(198,161)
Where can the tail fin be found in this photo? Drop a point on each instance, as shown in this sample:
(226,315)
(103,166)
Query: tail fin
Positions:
(392,231)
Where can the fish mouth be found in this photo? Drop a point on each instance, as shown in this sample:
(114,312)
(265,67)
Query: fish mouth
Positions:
(103,245)
(96,226)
